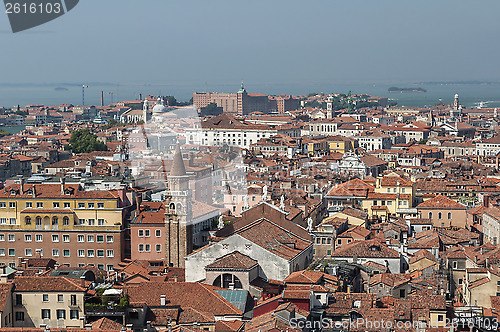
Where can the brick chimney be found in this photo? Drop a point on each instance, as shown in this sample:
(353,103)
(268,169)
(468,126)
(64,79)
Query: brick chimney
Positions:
(486,201)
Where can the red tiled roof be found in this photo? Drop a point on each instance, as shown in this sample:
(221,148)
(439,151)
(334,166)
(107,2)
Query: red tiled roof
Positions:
(181,293)
(49,284)
(441,201)
(234,260)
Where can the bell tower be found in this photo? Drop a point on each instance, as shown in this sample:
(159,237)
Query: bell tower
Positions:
(145,111)
(178,214)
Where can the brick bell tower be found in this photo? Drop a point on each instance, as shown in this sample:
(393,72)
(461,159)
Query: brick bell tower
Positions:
(178,214)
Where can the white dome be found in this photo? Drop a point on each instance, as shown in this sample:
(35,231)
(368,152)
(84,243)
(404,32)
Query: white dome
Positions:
(456,95)
(158,108)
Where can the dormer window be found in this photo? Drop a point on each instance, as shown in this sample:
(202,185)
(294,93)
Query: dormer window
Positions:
(29,192)
(375,248)
(13,192)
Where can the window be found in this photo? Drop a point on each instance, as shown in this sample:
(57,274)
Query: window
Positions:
(100,222)
(2,252)
(109,238)
(158,232)
(110,253)
(65,237)
(3,221)
(403,190)
(91,205)
(60,298)
(455,265)
(61,314)
(81,238)
(38,237)
(91,222)
(29,204)
(2,237)
(440,318)
(12,204)
(12,221)
(66,252)
(460,281)
(81,221)
(90,238)
(146,232)
(27,221)
(66,205)
(2,204)
(440,215)
(12,252)
(141,233)
(45,297)
(449,215)
(55,238)
(28,252)
(100,253)
(148,247)
(39,205)
(20,316)
(339,241)
(109,267)
(73,299)
(55,252)
(19,299)
(100,266)
(430,215)
(158,248)
(55,205)
(73,314)
(81,205)
(100,238)
(402,293)
(141,247)
(90,253)
(100,205)
(81,253)
(65,221)
(12,237)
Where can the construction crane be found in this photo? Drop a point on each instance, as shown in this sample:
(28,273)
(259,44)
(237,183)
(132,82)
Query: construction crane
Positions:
(83,94)
(111,93)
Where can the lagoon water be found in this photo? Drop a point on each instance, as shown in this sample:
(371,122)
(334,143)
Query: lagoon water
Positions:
(50,94)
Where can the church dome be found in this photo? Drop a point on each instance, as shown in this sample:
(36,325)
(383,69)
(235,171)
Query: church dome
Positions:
(159,107)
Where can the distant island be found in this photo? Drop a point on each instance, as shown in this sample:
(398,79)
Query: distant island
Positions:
(60,89)
(395,89)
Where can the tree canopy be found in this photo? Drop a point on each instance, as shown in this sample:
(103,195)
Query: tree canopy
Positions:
(83,141)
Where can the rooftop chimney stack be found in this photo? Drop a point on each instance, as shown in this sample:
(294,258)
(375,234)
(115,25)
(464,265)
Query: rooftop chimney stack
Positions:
(63,181)
(21,185)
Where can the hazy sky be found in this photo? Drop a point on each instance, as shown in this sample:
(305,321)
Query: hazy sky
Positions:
(268,41)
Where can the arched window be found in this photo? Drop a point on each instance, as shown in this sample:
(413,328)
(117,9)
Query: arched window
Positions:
(172,208)
(440,215)
(66,221)
(27,220)
(449,215)
(430,215)
(55,221)
(228,280)
(39,221)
